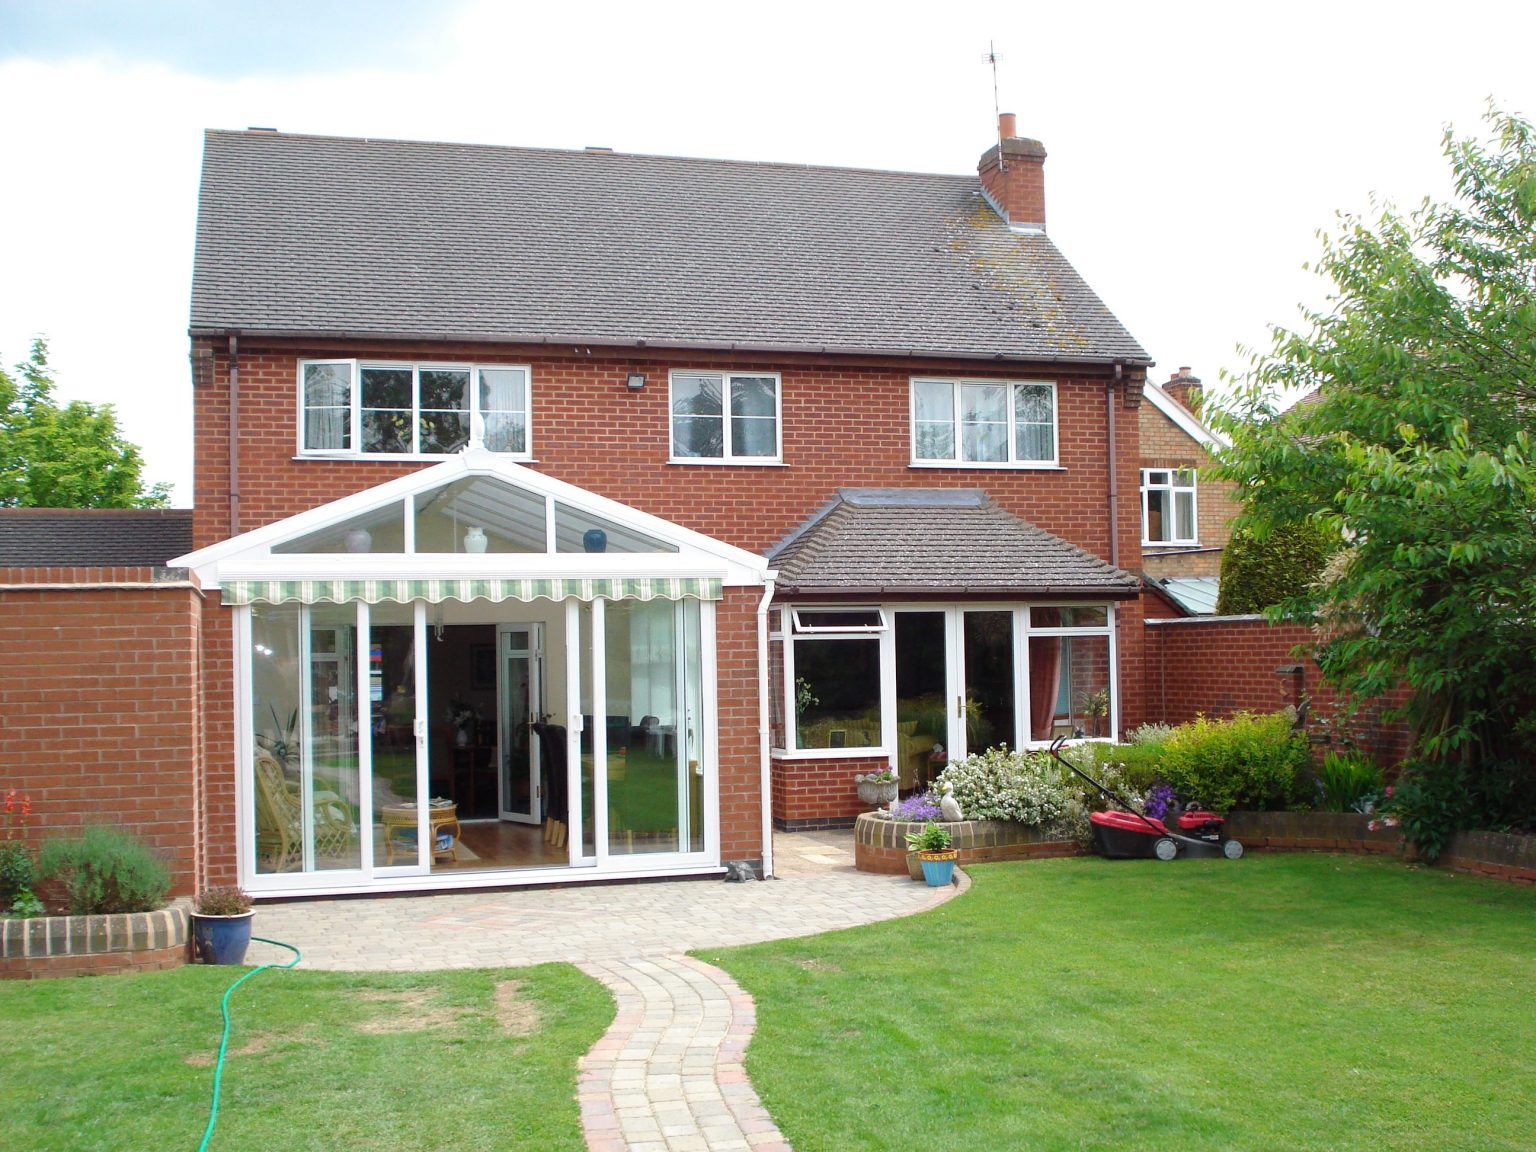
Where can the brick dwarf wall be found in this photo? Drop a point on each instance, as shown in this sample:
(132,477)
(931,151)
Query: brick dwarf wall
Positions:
(1218,665)
(99,688)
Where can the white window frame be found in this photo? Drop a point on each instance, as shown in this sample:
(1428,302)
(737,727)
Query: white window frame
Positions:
(729,456)
(1148,486)
(957,383)
(358,366)
(883,634)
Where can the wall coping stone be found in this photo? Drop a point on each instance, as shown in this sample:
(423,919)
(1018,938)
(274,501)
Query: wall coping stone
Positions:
(40,939)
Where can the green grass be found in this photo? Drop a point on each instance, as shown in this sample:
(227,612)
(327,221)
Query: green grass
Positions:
(1282,1002)
(318,1060)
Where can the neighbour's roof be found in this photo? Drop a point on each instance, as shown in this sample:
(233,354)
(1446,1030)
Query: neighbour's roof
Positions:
(1196,595)
(390,238)
(93,537)
(895,541)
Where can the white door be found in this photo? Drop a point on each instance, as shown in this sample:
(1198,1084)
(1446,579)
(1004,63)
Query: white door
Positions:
(520,691)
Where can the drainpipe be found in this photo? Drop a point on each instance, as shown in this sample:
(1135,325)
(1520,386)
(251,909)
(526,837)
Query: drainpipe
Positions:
(234,433)
(762,724)
(1110,388)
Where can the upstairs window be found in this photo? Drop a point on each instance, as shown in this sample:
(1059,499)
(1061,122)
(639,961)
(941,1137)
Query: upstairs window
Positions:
(353,407)
(984,423)
(1168,506)
(725,417)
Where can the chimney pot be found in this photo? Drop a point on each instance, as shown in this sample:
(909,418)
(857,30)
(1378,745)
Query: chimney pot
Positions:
(1012,174)
(1007,126)
(1184,387)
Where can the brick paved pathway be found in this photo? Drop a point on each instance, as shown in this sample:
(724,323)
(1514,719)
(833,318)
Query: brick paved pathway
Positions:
(667,1076)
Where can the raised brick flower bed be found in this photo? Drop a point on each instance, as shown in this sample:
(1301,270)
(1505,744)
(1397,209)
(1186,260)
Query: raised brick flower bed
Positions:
(881,845)
(91,945)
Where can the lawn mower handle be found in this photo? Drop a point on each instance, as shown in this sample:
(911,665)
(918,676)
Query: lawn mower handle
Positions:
(1055,751)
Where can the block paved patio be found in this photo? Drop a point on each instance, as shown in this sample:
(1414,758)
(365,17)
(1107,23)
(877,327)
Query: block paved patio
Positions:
(668,1075)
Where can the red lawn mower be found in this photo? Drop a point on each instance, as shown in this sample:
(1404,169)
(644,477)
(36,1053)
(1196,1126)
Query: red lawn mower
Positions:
(1128,834)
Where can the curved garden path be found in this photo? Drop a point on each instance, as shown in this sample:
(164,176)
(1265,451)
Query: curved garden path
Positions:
(667,1076)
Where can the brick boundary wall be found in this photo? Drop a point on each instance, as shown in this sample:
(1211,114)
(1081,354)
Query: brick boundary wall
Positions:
(880,845)
(1219,665)
(46,946)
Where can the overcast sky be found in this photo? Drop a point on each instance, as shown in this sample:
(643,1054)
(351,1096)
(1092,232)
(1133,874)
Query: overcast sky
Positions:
(1195,150)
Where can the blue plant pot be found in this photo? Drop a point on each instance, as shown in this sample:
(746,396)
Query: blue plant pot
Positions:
(938,872)
(221,939)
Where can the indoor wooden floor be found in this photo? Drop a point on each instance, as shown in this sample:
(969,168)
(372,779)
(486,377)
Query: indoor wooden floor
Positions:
(500,844)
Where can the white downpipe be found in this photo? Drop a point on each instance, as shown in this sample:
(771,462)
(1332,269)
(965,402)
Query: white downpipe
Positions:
(762,722)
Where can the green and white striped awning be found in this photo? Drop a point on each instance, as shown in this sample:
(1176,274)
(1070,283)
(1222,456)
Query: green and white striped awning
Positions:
(435,591)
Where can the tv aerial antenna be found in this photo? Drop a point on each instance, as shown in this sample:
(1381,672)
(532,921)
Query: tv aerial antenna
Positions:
(994,59)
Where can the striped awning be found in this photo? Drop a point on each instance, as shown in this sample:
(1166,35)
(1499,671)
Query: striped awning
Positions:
(435,591)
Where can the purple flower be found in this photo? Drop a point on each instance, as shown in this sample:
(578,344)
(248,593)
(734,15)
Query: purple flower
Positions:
(920,808)
(1159,801)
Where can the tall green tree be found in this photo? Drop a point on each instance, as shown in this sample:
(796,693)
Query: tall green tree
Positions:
(64,456)
(1417,453)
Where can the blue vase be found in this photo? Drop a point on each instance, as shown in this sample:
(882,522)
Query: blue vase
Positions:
(938,872)
(221,939)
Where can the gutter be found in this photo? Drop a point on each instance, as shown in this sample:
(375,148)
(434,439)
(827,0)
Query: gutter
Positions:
(669,344)
(1073,592)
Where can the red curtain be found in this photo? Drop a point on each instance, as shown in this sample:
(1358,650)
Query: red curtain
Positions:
(1044,674)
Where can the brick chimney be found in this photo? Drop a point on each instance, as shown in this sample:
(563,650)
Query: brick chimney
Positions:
(1185,388)
(1013,177)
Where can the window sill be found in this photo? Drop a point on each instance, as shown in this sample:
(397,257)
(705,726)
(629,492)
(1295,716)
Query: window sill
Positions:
(697,462)
(405,456)
(959,465)
(1170,544)
(830,753)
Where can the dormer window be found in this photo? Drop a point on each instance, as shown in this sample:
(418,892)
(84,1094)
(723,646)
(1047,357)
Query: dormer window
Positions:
(363,408)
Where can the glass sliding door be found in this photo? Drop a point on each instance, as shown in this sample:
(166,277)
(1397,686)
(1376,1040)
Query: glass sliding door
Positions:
(922,696)
(396,750)
(331,783)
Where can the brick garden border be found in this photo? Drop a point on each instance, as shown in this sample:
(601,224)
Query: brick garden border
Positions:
(880,845)
(45,946)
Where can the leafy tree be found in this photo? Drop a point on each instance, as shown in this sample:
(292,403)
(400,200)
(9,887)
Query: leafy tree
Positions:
(70,456)
(1260,572)
(1418,453)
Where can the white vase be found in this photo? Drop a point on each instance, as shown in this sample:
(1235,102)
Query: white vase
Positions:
(474,540)
(359,540)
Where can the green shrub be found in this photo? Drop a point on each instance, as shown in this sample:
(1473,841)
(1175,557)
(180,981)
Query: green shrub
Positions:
(1258,574)
(1139,765)
(16,871)
(106,870)
(1149,734)
(1347,781)
(1248,761)
(1001,785)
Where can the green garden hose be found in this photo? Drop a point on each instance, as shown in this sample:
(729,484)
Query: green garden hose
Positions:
(218,1070)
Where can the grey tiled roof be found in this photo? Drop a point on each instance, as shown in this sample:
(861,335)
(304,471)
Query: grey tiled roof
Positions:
(893,541)
(93,537)
(310,234)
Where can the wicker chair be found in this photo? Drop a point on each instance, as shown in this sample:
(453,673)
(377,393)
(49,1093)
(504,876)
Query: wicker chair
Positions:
(280,823)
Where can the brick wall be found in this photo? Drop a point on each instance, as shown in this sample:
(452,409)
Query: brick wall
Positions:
(98,688)
(1218,665)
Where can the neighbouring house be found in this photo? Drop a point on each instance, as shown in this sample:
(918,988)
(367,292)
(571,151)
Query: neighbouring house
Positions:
(1186,512)
(584,515)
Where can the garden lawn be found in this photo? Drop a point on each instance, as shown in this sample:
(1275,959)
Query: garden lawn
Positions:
(1278,1002)
(461,1060)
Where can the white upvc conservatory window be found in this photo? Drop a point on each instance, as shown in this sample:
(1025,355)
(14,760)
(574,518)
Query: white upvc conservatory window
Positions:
(1168,514)
(364,408)
(834,657)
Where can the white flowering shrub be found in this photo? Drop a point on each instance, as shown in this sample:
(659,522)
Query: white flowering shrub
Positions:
(1001,785)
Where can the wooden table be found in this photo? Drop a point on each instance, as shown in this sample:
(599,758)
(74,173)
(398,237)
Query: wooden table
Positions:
(442,816)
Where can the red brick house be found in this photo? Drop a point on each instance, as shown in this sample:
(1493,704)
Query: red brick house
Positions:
(574,515)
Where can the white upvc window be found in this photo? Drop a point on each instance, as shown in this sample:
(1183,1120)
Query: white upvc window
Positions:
(984,423)
(726,418)
(372,408)
(834,659)
(1168,506)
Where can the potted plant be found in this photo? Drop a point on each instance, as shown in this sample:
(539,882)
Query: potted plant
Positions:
(878,788)
(221,925)
(932,844)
